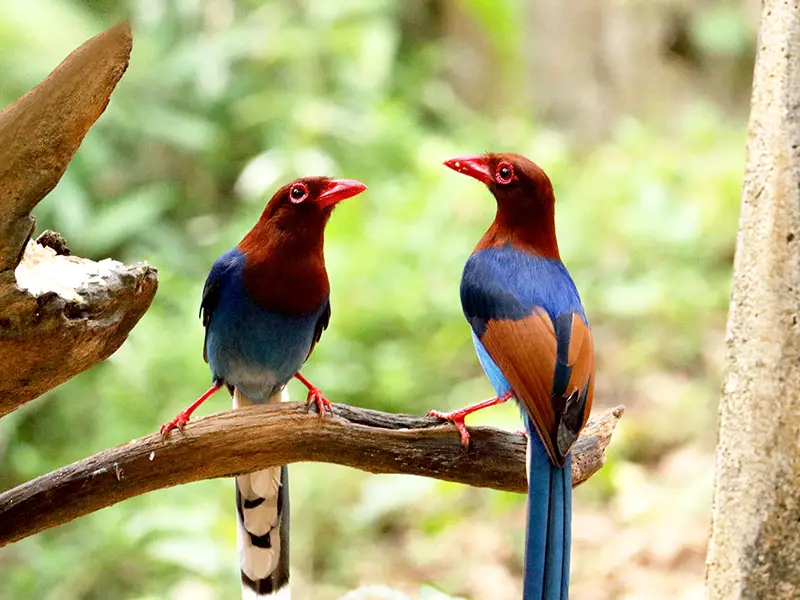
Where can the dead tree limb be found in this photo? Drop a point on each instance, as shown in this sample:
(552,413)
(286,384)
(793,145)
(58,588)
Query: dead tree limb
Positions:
(40,132)
(247,439)
(59,315)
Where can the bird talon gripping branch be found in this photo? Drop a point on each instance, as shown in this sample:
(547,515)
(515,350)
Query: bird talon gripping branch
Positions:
(456,418)
(178,422)
(315,396)
(183,417)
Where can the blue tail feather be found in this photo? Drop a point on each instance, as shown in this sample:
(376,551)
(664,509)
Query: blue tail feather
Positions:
(547,547)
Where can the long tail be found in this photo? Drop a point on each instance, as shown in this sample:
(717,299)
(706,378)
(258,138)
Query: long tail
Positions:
(547,547)
(262,503)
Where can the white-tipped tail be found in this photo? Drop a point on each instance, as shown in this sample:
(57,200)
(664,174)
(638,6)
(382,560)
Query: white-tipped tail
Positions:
(262,503)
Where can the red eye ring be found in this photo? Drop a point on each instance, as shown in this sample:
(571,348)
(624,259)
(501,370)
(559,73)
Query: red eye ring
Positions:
(504,174)
(298,193)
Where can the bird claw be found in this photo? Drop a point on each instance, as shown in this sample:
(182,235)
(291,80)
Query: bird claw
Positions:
(456,418)
(315,396)
(179,421)
(183,416)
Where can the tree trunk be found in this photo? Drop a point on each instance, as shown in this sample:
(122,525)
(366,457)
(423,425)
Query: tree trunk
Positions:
(756,514)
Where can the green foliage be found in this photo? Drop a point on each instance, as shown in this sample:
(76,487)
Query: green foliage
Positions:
(722,29)
(223,102)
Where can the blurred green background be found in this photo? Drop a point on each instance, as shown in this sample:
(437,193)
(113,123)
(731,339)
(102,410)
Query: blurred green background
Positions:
(637,110)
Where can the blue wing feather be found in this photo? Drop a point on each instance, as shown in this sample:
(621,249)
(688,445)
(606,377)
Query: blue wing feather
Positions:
(211,290)
(484,293)
(506,283)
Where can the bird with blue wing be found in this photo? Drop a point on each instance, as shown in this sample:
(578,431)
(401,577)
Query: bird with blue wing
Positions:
(534,343)
(264,307)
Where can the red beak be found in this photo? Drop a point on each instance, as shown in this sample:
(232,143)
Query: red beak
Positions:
(336,190)
(474,166)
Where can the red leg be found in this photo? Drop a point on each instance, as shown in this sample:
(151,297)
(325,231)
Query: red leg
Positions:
(457,416)
(183,416)
(315,395)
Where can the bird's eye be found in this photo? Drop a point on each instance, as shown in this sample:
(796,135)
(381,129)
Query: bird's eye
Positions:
(504,173)
(298,193)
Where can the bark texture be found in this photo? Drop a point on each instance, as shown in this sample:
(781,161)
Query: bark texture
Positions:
(247,439)
(69,313)
(756,513)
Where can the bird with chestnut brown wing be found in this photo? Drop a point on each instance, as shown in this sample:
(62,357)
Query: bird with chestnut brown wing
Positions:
(534,343)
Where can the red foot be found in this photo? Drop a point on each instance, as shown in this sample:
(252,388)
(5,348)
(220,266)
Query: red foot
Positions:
(315,395)
(457,418)
(323,404)
(179,421)
(183,416)
(521,432)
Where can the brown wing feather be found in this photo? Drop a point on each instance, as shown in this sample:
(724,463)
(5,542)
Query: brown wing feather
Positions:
(526,352)
(581,359)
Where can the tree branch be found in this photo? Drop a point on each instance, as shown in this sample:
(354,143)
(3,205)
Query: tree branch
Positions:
(40,132)
(59,314)
(246,439)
